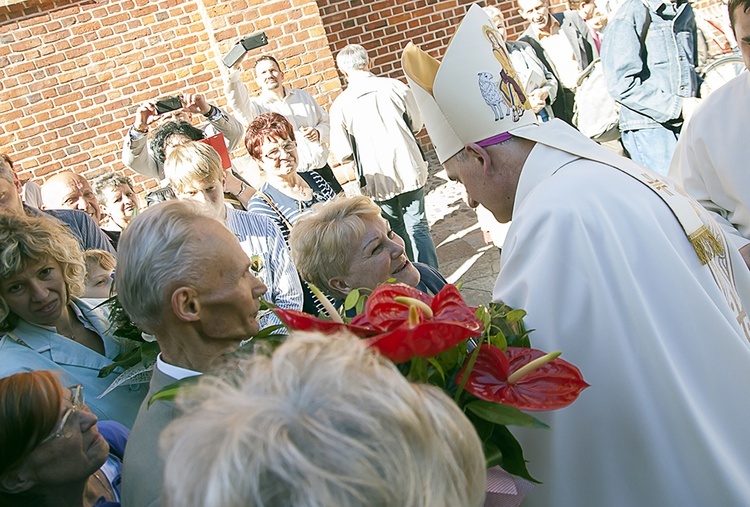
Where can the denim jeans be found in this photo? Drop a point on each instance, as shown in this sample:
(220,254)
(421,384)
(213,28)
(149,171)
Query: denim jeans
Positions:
(406,214)
(652,147)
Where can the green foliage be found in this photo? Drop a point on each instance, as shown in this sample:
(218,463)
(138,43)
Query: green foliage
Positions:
(506,415)
(170,392)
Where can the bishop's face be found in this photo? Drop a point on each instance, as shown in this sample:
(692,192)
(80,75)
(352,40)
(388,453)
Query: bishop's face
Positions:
(484,184)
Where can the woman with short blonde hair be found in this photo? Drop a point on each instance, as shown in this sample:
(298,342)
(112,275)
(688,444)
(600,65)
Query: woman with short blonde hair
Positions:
(346,244)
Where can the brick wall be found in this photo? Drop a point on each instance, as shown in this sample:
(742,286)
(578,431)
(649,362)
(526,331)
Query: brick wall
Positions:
(73,72)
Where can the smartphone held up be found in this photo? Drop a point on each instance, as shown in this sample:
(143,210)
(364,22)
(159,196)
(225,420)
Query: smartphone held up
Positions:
(167,105)
(243,46)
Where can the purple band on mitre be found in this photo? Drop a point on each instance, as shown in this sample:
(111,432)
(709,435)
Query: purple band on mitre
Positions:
(499,138)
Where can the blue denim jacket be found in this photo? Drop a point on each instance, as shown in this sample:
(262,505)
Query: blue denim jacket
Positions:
(649,56)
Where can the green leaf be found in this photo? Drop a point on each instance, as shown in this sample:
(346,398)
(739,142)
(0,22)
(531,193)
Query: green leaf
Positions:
(418,370)
(361,304)
(503,414)
(515,315)
(125,360)
(351,300)
(498,340)
(513,461)
(492,454)
(170,392)
(435,364)
(269,333)
(484,428)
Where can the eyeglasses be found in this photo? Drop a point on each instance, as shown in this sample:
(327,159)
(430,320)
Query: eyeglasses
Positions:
(78,402)
(275,152)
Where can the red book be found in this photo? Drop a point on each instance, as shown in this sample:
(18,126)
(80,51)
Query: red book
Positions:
(217,143)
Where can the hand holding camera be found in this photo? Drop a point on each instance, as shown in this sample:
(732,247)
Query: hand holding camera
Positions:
(194,103)
(239,50)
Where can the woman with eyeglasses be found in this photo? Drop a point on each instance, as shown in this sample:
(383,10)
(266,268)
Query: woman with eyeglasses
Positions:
(286,195)
(53,451)
(43,323)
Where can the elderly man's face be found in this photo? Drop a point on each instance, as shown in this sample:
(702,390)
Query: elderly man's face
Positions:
(742,32)
(10,200)
(483,186)
(535,12)
(228,294)
(71,191)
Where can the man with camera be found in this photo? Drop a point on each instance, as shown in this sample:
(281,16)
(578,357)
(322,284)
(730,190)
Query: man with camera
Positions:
(136,154)
(309,119)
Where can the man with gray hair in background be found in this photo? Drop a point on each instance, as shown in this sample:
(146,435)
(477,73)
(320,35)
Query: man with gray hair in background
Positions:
(81,225)
(184,278)
(373,123)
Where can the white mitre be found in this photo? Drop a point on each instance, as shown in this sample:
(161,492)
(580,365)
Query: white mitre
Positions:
(474,94)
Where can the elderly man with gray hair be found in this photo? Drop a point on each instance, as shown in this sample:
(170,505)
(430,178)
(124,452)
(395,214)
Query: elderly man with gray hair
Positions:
(373,123)
(325,421)
(81,225)
(184,278)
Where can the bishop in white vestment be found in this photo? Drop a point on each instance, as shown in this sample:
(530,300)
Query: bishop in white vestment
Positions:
(628,276)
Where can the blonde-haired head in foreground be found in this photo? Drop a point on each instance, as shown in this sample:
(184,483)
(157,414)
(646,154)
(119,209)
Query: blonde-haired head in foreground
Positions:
(326,422)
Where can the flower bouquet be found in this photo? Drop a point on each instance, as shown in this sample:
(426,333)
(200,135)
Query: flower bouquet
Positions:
(481,357)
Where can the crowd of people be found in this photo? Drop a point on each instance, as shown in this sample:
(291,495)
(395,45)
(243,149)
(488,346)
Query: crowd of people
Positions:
(644,284)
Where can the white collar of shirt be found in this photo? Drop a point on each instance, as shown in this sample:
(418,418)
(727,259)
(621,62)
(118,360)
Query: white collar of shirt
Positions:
(542,162)
(175,372)
(269,96)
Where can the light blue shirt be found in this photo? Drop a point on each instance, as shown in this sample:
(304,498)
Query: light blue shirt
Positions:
(29,347)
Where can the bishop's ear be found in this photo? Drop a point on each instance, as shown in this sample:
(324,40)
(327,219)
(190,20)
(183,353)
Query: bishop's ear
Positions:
(479,155)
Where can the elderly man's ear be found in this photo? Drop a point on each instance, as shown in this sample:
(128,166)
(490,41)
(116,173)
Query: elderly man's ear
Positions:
(186,304)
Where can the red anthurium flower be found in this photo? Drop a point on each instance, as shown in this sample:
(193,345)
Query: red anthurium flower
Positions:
(383,312)
(305,322)
(555,384)
(416,324)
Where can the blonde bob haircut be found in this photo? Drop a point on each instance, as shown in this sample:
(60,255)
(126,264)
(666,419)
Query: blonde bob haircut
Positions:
(324,421)
(190,163)
(324,240)
(25,240)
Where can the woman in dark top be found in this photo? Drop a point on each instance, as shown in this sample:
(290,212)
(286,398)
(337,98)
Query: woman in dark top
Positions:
(346,244)
(286,195)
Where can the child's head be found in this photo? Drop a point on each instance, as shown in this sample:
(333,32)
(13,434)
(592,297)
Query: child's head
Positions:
(194,170)
(100,273)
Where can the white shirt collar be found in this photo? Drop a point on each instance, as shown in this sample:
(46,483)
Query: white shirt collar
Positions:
(176,372)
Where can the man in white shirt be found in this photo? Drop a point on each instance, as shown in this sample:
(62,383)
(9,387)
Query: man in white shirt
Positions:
(309,120)
(185,279)
(711,157)
(374,122)
(630,278)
